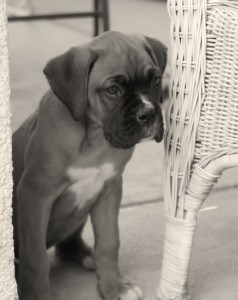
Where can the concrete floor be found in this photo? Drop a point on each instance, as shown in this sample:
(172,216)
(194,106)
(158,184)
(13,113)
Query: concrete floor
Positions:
(214,268)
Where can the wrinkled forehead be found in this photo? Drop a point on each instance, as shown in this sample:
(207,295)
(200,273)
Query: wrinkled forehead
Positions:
(122,55)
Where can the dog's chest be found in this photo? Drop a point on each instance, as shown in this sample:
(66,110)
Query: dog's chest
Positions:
(72,207)
(87,182)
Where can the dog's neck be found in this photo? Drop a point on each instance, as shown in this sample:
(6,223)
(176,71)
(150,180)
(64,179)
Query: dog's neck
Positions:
(95,138)
(94,133)
(94,130)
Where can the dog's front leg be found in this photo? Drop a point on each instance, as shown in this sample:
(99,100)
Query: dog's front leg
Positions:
(34,205)
(112,286)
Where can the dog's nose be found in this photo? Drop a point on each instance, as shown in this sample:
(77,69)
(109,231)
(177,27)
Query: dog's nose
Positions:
(146,115)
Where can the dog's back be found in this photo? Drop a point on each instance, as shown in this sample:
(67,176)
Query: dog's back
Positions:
(20,140)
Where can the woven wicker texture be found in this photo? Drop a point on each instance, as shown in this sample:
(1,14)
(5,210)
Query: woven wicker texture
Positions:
(188,32)
(218,126)
(7,274)
(202,124)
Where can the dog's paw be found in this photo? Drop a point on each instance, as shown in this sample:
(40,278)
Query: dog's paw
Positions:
(88,263)
(124,289)
(129,291)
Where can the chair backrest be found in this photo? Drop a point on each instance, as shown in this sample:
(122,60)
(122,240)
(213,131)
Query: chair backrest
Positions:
(218,125)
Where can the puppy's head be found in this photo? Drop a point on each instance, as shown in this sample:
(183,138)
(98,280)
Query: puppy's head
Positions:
(116,80)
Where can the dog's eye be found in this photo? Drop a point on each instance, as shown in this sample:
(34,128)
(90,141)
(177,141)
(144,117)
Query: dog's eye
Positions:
(113,91)
(155,81)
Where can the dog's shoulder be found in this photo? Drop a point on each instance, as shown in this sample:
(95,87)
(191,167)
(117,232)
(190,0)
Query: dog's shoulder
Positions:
(55,120)
(53,133)
(52,110)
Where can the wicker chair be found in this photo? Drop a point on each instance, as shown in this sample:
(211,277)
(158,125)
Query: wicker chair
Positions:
(201,140)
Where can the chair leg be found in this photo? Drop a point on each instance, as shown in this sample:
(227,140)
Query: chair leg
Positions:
(101,6)
(96,18)
(105,15)
(178,244)
(180,232)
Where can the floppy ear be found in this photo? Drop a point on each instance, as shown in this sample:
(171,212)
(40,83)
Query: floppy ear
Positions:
(157,51)
(68,75)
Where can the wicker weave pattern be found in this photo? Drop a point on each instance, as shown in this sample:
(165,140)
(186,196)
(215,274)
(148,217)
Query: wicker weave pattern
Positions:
(188,34)
(218,126)
(202,125)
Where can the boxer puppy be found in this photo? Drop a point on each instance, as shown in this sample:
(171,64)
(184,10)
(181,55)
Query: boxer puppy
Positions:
(69,157)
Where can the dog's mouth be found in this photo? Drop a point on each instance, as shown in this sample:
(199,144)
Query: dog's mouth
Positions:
(135,125)
(121,137)
(154,132)
(119,141)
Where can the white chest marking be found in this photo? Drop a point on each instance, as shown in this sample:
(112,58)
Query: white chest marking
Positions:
(89,181)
